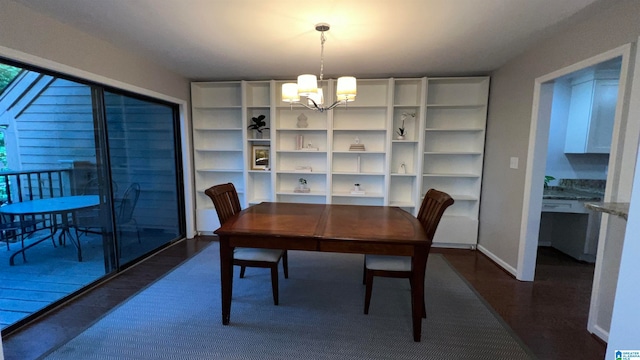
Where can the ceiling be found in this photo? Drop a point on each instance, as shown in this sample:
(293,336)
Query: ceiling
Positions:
(251,39)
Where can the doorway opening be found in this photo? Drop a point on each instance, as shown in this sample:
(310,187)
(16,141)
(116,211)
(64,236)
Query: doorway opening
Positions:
(540,136)
(580,132)
(537,154)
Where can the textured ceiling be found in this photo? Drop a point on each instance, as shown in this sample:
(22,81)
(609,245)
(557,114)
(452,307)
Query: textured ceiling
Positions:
(247,39)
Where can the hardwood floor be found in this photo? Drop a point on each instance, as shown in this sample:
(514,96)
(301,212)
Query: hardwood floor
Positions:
(549,315)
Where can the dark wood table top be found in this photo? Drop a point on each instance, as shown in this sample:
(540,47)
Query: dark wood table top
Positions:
(284,223)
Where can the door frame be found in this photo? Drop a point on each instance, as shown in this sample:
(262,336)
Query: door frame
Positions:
(537,153)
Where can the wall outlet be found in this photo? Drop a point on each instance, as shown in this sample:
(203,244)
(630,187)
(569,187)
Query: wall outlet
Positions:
(513,162)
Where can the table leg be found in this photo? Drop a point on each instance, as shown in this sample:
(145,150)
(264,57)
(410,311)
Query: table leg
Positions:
(24,248)
(226,278)
(66,233)
(417,290)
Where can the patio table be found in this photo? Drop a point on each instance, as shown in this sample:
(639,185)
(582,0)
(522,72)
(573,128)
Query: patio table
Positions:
(52,206)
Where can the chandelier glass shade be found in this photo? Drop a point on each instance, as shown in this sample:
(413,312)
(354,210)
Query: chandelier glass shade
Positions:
(307,85)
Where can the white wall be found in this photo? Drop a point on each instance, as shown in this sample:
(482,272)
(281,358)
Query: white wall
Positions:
(35,34)
(601,27)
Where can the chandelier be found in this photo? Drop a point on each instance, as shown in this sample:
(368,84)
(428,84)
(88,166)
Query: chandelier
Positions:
(307,85)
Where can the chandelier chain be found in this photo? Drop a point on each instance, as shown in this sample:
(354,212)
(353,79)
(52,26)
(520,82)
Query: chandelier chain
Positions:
(322,40)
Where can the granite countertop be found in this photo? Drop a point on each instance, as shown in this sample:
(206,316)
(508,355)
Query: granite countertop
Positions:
(563,193)
(619,209)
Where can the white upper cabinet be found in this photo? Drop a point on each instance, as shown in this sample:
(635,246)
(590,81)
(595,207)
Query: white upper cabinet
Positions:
(591,114)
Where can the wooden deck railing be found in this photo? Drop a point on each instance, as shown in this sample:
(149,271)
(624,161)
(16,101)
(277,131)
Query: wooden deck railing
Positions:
(17,186)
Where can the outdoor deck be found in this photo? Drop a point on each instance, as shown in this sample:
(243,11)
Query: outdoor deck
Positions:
(49,274)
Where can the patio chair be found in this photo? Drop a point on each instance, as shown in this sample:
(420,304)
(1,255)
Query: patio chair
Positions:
(12,230)
(125,209)
(433,206)
(225,200)
(88,220)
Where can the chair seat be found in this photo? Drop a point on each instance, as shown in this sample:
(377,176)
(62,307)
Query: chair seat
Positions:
(14,225)
(388,263)
(17,225)
(252,254)
(225,200)
(433,206)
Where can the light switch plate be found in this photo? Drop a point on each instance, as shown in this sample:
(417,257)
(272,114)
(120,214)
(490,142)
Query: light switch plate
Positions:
(513,162)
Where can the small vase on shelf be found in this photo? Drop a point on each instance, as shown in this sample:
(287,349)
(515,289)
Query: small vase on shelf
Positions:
(302,186)
(357,190)
(402,132)
(302,121)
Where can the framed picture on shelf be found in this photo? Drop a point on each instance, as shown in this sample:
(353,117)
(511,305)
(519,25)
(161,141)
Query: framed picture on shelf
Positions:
(259,157)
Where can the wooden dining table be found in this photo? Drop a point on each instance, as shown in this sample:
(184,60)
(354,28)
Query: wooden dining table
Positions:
(382,230)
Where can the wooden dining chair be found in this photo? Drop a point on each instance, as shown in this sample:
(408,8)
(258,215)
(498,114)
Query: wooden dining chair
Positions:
(433,206)
(225,199)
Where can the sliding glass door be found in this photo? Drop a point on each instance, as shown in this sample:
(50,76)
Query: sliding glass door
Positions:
(141,138)
(110,160)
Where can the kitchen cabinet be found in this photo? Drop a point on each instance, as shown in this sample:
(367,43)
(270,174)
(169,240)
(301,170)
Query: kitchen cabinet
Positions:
(591,114)
(568,226)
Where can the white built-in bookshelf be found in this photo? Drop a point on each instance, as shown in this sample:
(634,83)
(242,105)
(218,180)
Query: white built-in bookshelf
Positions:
(443,147)
(453,147)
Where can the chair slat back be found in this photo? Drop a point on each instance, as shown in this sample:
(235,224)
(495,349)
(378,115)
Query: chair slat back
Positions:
(128,203)
(225,200)
(434,204)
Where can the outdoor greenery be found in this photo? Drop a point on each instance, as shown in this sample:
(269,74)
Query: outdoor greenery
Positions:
(3,153)
(7,74)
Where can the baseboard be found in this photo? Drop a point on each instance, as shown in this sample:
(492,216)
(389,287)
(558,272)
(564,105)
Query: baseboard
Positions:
(454,246)
(508,268)
(601,333)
